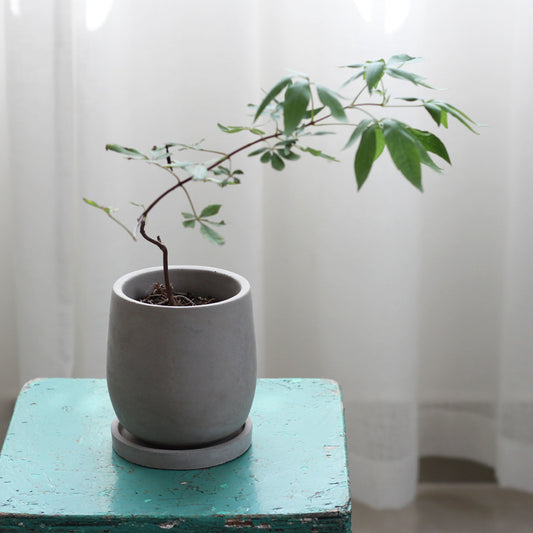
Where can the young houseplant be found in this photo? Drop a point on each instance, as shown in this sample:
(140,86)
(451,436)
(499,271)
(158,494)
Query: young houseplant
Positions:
(181,376)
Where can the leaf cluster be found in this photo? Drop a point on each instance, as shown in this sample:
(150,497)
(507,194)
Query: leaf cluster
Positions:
(205,222)
(408,147)
(295,110)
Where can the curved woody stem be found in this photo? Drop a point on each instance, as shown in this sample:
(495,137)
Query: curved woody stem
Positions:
(164,250)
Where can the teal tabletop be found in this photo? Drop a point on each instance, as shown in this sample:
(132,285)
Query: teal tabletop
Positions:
(58,471)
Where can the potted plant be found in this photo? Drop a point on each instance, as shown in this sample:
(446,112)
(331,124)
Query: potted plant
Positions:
(181,365)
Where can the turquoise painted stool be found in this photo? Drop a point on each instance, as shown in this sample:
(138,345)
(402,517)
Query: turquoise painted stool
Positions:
(58,471)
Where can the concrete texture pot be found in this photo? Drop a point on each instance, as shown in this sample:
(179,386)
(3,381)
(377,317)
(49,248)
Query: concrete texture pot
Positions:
(181,378)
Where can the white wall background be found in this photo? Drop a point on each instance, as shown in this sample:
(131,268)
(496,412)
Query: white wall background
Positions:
(419,305)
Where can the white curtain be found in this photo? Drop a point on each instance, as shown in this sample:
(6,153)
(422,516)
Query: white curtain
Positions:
(419,305)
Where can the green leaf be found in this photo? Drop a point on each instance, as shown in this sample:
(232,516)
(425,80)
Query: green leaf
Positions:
(277,163)
(310,113)
(328,157)
(195,146)
(374,71)
(257,152)
(187,215)
(317,133)
(284,82)
(221,170)
(109,212)
(199,172)
(407,98)
(331,100)
(353,78)
(317,153)
(380,142)
(404,151)
(169,145)
(312,151)
(91,202)
(190,223)
(296,101)
(408,76)
(237,129)
(457,113)
(365,155)
(156,154)
(450,107)
(426,160)
(400,59)
(266,157)
(444,118)
(424,156)
(179,164)
(104,208)
(287,142)
(210,210)
(432,143)
(357,132)
(232,180)
(231,129)
(291,156)
(210,234)
(212,222)
(131,153)
(436,113)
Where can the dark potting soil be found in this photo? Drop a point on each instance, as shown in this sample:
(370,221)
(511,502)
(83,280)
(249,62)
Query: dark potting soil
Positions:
(158,296)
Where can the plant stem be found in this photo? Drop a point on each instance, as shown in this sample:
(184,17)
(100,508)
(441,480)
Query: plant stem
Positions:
(161,196)
(357,97)
(375,104)
(231,154)
(164,250)
(328,124)
(123,226)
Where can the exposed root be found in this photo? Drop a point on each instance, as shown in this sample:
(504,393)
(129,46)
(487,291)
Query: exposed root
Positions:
(158,296)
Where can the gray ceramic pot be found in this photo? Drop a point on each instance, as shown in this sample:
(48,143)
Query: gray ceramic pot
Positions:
(182,377)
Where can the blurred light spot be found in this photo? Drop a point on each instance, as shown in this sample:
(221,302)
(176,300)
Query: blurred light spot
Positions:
(396,13)
(365,8)
(388,14)
(96,13)
(14,5)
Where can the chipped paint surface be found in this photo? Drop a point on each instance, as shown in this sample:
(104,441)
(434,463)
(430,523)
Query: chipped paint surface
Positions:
(58,471)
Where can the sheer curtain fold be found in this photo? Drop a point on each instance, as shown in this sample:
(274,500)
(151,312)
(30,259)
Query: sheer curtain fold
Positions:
(40,114)
(515,421)
(419,305)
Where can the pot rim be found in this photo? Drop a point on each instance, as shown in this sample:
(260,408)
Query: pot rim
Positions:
(242,281)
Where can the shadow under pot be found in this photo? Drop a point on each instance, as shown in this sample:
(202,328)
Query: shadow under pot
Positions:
(181,378)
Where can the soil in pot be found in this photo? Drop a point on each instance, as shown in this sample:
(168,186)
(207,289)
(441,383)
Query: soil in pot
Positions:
(158,296)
